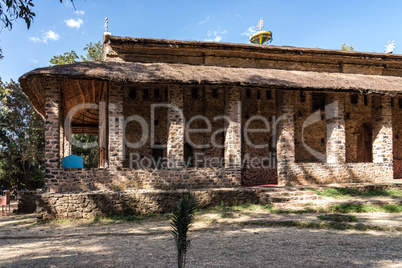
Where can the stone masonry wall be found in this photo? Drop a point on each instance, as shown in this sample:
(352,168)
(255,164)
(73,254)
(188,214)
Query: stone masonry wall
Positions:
(52,132)
(103,179)
(259,143)
(50,206)
(315,133)
(380,169)
(396,104)
(239,104)
(137,102)
(356,114)
(89,205)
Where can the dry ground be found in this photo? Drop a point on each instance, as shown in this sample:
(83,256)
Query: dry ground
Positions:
(216,242)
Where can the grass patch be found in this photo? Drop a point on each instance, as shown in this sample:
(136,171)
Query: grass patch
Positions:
(337,218)
(290,211)
(348,192)
(227,211)
(321,225)
(359,208)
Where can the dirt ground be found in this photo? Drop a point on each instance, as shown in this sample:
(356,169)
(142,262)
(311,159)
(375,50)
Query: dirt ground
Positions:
(216,242)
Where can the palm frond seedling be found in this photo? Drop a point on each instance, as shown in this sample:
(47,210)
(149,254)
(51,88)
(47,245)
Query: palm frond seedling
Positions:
(183,217)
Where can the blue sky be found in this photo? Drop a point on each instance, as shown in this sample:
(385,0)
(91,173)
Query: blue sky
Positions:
(58,28)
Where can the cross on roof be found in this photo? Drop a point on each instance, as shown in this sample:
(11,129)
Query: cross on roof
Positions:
(260,24)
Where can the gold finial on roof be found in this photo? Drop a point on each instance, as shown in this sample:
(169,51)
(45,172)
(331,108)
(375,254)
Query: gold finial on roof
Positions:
(106,24)
(260,24)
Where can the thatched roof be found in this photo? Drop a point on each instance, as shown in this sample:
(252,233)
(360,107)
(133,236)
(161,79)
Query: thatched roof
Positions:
(190,74)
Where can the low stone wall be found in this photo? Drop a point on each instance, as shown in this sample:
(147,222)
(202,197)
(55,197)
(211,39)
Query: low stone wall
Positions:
(63,180)
(51,206)
(318,173)
(88,205)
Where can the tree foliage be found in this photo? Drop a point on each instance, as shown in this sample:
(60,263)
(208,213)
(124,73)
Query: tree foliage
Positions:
(89,155)
(66,58)
(21,139)
(94,53)
(347,48)
(11,10)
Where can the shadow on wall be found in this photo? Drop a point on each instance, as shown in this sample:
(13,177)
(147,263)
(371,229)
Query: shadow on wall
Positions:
(89,205)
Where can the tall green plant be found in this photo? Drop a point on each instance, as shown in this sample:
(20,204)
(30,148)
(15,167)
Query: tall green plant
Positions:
(183,217)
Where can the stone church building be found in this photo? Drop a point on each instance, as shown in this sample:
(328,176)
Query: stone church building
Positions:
(221,115)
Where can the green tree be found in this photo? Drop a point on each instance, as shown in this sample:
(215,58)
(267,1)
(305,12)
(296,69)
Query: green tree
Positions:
(66,58)
(94,53)
(347,48)
(21,139)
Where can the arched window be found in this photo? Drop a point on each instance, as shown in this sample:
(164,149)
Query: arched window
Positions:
(365,143)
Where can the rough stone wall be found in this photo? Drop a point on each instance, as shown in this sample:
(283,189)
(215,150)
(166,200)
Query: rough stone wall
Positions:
(314,133)
(336,133)
(195,98)
(137,102)
(116,123)
(322,173)
(356,114)
(175,146)
(379,170)
(215,108)
(285,146)
(104,179)
(258,116)
(52,133)
(89,205)
(233,132)
(397,134)
(238,104)
(382,130)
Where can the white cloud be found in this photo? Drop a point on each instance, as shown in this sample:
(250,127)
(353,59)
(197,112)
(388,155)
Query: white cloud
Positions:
(80,12)
(49,35)
(35,39)
(250,31)
(34,61)
(204,21)
(215,36)
(74,23)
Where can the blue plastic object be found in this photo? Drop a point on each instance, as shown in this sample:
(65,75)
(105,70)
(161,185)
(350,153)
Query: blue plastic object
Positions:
(72,161)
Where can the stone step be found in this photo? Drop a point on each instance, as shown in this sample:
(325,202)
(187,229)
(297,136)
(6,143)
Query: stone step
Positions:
(280,189)
(284,199)
(292,205)
(290,193)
